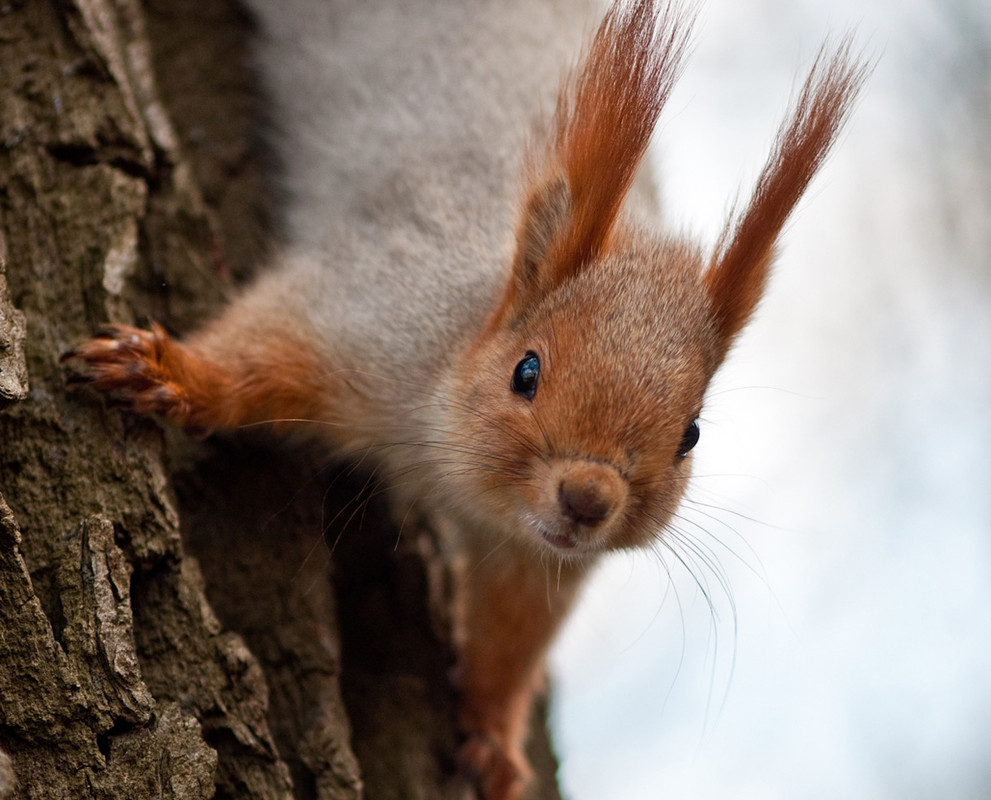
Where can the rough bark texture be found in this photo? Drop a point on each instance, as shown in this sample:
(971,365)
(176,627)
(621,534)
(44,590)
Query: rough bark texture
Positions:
(177,619)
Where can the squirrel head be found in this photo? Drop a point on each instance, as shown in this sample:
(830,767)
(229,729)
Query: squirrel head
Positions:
(578,403)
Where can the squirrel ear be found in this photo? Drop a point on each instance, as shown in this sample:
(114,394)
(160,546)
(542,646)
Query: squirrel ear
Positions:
(738,270)
(545,218)
(580,170)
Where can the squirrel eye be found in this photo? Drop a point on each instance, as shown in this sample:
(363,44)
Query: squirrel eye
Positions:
(690,438)
(525,376)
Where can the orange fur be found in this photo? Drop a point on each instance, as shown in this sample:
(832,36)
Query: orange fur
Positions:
(276,381)
(606,113)
(605,119)
(503,663)
(739,267)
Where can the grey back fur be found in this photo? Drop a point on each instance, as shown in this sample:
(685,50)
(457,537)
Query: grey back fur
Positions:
(401,129)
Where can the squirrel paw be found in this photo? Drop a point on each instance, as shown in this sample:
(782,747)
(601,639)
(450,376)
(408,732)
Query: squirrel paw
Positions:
(500,775)
(139,367)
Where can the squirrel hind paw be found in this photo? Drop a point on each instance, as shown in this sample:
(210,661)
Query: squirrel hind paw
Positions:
(499,775)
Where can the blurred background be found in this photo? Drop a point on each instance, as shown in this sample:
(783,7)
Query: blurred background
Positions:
(831,634)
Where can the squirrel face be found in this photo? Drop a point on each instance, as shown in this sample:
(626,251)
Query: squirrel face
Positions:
(579,400)
(579,414)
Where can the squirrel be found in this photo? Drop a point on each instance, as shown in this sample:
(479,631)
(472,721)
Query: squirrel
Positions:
(525,356)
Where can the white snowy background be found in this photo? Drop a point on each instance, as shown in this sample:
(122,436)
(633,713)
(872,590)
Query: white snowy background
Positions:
(843,484)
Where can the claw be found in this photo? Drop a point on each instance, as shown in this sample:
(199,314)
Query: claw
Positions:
(77,378)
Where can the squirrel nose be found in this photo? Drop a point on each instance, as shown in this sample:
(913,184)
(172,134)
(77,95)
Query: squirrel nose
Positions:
(589,492)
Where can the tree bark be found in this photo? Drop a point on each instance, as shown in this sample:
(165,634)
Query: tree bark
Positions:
(231,618)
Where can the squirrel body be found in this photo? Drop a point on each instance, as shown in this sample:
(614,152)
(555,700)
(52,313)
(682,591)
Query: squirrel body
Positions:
(399,132)
(476,296)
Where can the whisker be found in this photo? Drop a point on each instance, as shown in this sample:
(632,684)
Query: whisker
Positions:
(502,543)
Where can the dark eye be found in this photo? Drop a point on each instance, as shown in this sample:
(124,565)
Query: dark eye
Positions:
(525,376)
(690,439)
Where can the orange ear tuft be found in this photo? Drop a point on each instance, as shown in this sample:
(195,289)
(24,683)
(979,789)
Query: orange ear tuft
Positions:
(739,267)
(605,115)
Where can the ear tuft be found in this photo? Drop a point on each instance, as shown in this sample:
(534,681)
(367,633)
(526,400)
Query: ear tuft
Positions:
(738,271)
(605,115)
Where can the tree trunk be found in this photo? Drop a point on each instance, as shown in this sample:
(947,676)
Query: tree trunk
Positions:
(230,618)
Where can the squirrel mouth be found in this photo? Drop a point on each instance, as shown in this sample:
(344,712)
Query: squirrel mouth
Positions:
(559,540)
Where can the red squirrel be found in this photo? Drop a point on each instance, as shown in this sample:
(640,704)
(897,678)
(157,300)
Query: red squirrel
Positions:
(527,357)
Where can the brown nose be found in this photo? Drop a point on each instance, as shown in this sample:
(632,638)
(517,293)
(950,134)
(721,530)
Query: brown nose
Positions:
(589,492)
